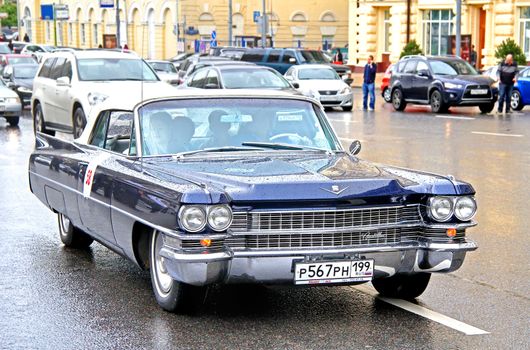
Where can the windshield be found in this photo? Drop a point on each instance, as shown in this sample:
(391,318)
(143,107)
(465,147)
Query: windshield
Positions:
(25,72)
(312,56)
(253,79)
(456,67)
(20,60)
(165,67)
(104,69)
(318,73)
(171,127)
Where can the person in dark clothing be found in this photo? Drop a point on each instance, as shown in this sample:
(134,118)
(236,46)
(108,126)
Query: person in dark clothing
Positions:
(26,38)
(473,57)
(369,83)
(506,74)
(10,45)
(338,57)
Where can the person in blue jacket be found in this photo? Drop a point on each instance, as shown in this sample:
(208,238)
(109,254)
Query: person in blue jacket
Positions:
(369,83)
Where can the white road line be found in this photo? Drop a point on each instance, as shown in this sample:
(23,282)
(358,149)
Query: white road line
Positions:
(454,117)
(495,134)
(424,312)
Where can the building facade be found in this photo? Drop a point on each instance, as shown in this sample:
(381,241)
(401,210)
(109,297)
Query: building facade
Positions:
(382,28)
(149,26)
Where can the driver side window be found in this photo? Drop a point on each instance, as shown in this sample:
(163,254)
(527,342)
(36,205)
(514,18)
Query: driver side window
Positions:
(113,131)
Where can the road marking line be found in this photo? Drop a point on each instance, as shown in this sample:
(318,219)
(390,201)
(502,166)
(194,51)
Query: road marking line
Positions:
(424,312)
(453,117)
(495,134)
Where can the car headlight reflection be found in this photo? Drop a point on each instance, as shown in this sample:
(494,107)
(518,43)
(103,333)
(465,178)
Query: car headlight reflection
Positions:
(345,90)
(95,97)
(465,208)
(452,86)
(192,218)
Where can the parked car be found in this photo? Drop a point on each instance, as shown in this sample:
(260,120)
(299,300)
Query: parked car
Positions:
(521,90)
(4,49)
(70,83)
(234,53)
(191,64)
(385,84)
(14,59)
(283,59)
(491,72)
(10,106)
(20,79)
(18,46)
(37,50)
(332,90)
(247,186)
(165,70)
(236,76)
(441,82)
(178,59)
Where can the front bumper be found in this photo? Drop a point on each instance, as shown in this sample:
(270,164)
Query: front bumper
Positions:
(455,97)
(10,109)
(277,266)
(338,100)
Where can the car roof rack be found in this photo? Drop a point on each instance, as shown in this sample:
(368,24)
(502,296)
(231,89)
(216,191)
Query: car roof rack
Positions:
(411,56)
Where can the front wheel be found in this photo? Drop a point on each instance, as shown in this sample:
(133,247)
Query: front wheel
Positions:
(398,102)
(171,295)
(71,236)
(402,286)
(437,102)
(39,125)
(387,95)
(515,101)
(484,109)
(13,121)
(79,122)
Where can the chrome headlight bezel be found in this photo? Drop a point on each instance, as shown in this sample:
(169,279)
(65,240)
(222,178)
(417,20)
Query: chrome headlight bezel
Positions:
(216,209)
(184,223)
(345,90)
(95,98)
(459,200)
(434,215)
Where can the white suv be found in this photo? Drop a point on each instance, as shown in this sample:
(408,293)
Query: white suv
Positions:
(69,84)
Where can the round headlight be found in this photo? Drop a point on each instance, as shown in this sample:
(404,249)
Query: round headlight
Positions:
(219,217)
(465,208)
(441,208)
(192,218)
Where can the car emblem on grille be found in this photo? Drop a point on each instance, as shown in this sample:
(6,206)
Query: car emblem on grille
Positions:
(335,189)
(373,235)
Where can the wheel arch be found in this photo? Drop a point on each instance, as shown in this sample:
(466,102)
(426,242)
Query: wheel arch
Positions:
(140,244)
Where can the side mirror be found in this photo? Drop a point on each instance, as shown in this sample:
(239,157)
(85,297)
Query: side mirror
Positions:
(6,75)
(292,60)
(10,84)
(348,81)
(63,81)
(424,73)
(295,85)
(355,147)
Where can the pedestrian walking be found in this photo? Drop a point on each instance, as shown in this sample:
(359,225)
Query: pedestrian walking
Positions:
(506,77)
(369,83)
(26,38)
(473,57)
(10,45)
(338,59)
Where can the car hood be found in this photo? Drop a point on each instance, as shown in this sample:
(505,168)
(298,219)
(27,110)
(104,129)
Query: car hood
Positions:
(128,89)
(324,84)
(466,79)
(284,176)
(168,76)
(27,83)
(7,92)
(340,67)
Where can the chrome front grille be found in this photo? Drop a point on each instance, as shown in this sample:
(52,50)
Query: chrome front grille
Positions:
(323,220)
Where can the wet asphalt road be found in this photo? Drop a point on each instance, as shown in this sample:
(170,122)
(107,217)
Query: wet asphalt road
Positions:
(52,297)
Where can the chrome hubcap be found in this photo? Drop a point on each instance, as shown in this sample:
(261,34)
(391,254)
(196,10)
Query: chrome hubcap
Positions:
(65,224)
(397,99)
(163,281)
(435,101)
(515,101)
(38,120)
(387,95)
(79,124)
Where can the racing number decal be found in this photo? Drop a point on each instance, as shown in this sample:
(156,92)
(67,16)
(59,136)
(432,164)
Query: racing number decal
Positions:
(90,173)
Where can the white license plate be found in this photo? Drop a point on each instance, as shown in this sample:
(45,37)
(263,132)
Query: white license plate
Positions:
(324,272)
(479,92)
(2,108)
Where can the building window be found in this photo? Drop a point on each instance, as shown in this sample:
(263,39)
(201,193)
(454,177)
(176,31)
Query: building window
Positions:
(70,33)
(95,34)
(48,30)
(524,30)
(83,34)
(298,41)
(327,42)
(299,17)
(437,27)
(386,33)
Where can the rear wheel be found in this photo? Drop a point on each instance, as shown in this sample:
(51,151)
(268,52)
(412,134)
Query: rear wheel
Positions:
(71,236)
(437,103)
(387,95)
(398,102)
(486,108)
(171,295)
(79,122)
(402,286)
(39,125)
(516,102)
(13,121)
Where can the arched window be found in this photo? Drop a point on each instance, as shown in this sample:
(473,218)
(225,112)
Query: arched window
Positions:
(205,17)
(299,17)
(328,17)
(152,34)
(27,23)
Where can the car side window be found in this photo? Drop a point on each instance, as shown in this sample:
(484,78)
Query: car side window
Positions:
(212,79)
(274,56)
(422,66)
(67,70)
(410,67)
(287,55)
(98,136)
(252,57)
(57,68)
(199,78)
(46,68)
(113,131)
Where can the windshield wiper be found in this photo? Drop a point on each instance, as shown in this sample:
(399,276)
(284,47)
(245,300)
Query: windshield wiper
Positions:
(274,145)
(218,149)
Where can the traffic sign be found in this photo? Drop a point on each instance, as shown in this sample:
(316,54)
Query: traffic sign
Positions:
(256,15)
(61,12)
(214,34)
(109,4)
(46,12)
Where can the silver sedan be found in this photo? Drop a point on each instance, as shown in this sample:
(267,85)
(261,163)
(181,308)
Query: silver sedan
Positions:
(10,106)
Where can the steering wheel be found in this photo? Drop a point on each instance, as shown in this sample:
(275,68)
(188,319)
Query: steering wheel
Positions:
(289,138)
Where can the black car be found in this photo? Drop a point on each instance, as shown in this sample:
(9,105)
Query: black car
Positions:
(19,78)
(442,82)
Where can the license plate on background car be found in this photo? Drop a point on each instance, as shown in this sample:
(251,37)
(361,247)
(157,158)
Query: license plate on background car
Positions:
(342,271)
(2,108)
(479,92)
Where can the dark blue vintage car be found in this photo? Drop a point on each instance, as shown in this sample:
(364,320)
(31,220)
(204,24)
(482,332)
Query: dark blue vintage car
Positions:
(247,187)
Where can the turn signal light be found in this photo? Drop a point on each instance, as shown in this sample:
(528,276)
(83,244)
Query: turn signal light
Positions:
(206,242)
(451,232)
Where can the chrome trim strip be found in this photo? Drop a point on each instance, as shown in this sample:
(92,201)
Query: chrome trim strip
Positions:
(402,224)
(261,211)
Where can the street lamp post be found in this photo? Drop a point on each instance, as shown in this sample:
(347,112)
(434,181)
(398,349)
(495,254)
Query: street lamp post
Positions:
(118,39)
(458,41)
(263,25)
(229,22)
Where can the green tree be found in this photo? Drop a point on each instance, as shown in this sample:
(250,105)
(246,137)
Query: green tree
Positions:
(412,48)
(11,10)
(509,46)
